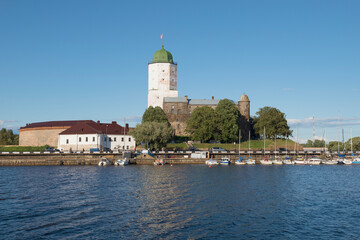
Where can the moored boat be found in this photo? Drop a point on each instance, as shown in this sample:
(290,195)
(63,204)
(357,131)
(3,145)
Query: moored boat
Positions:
(266,162)
(159,162)
(314,161)
(225,161)
(288,161)
(250,161)
(104,162)
(211,162)
(329,162)
(121,162)
(300,161)
(240,161)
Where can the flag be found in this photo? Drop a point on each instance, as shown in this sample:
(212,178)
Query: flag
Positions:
(161,36)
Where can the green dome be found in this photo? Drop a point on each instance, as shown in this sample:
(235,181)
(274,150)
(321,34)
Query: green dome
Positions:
(162,56)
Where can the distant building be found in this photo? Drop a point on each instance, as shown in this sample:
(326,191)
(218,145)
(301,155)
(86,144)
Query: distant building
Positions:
(77,135)
(162,92)
(87,135)
(44,133)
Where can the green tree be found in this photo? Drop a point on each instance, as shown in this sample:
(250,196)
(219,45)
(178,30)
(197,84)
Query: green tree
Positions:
(155,114)
(156,134)
(319,143)
(203,124)
(274,122)
(356,144)
(229,118)
(334,145)
(7,137)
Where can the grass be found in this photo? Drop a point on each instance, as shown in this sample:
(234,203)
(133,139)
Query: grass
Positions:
(16,148)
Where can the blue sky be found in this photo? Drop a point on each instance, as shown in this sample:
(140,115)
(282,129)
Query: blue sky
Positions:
(65,60)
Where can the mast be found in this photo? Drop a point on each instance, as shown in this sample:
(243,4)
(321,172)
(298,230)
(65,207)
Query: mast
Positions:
(325,141)
(249,144)
(343,140)
(275,146)
(239,142)
(351,140)
(286,147)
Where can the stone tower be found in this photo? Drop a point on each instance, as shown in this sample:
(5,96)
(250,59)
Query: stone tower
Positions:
(162,78)
(244,108)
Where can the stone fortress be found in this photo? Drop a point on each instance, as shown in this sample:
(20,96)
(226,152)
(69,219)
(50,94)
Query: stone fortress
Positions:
(162,92)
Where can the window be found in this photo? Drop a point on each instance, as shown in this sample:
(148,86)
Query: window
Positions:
(163,79)
(129,139)
(172,80)
(109,139)
(105,139)
(114,139)
(122,139)
(86,139)
(93,139)
(179,111)
(127,147)
(163,70)
(172,111)
(124,147)
(79,139)
(178,126)
(67,141)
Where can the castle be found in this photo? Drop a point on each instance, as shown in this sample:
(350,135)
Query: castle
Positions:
(162,92)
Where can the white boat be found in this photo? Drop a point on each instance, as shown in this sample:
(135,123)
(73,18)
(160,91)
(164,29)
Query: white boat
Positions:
(266,162)
(314,161)
(300,161)
(104,162)
(159,162)
(225,161)
(356,160)
(277,162)
(250,162)
(288,161)
(211,162)
(121,162)
(330,162)
(240,161)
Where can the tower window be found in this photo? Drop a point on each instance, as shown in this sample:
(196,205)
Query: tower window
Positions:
(172,80)
(172,111)
(79,139)
(179,111)
(86,139)
(93,139)
(67,141)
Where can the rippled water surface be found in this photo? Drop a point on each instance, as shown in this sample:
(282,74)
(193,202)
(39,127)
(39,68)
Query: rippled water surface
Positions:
(180,201)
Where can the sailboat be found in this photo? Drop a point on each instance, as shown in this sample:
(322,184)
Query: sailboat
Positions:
(277,160)
(342,158)
(287,160)
(250,161)
(327,161)
(265,161)
(355,160)
(240,161)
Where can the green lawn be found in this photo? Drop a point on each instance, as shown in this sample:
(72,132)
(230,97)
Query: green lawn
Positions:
(21,148)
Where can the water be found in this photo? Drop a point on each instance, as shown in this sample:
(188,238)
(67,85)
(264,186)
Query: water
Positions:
(180,202)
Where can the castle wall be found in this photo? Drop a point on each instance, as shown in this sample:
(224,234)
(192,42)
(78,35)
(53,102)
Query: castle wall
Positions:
(40,136)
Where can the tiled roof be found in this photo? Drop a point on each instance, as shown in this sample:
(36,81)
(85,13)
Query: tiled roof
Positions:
(54,124)
(97,127)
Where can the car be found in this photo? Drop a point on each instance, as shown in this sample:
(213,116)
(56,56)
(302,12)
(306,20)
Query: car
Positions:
(218,149)
(106,149)
(50,149)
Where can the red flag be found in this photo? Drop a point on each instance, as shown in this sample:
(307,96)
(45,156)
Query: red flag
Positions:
(161,36)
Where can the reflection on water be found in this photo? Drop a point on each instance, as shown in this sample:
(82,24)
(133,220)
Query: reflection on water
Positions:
(190,201)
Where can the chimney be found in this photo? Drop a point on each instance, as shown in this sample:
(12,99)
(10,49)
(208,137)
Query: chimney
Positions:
(98,122)
(212,97)
(127,126)
(113,122)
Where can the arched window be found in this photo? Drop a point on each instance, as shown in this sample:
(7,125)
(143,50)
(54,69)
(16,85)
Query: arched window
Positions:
(179,111)
(178,126)
(172,111)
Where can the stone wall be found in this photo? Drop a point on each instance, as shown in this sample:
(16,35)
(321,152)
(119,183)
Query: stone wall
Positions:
(40,136)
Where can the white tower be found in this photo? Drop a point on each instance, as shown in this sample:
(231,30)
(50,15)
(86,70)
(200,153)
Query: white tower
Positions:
(162,78)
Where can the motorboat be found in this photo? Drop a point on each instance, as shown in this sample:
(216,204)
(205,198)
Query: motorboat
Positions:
(159,162)
(225,161)
(240,161)
(104,162)
(314,161)
(121,162)
(211,162)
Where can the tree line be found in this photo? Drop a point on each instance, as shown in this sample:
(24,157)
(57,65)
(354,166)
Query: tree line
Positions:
(7,137)
(206,124)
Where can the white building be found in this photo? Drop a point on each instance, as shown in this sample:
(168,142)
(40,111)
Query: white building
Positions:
(95,135)
(162,78)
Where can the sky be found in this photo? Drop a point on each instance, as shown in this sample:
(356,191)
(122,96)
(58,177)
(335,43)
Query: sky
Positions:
(77,60)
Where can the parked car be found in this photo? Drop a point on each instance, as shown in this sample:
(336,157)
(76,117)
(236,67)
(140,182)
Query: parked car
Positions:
(106,149)
(218,149)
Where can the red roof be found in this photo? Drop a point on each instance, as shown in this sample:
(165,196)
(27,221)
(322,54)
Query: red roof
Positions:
(54,124)
(91,127)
